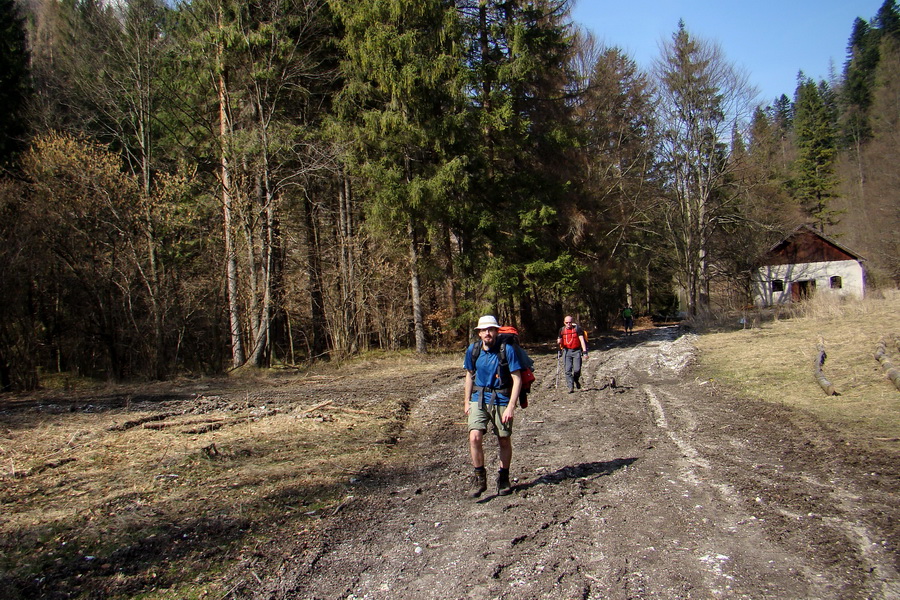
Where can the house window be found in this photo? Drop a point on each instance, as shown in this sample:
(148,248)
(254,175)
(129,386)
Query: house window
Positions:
(836,282)
(777,285)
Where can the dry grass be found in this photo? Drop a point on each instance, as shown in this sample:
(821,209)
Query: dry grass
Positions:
(97,500)
(773,360)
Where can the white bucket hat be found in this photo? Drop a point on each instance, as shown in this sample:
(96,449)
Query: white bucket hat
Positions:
(486,322)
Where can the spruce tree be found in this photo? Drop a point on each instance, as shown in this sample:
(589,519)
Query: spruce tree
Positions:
(400,108)
(248,77)
(517,56)
(14,86)
(612,217)
(859,81)
(887,20)
(814,180)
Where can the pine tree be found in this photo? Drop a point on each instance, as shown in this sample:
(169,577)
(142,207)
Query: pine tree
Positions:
(14,77)
(814,179)
(401,105)
(517,58)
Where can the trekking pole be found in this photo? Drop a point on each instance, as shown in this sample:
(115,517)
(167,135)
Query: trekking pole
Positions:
(556,385)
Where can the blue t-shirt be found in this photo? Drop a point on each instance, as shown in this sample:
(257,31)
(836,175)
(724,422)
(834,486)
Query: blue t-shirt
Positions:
(486,369)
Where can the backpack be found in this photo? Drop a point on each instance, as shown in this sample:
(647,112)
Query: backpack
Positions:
(509,336)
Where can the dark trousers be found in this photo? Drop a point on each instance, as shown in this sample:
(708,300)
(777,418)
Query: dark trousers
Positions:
(572,357)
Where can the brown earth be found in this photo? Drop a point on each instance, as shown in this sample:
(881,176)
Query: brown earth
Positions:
(647,483)
(654,485)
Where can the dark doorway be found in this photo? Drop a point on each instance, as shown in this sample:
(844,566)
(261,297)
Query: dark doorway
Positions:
(801,290)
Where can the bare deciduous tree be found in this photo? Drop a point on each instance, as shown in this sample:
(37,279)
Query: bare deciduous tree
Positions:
(703,100)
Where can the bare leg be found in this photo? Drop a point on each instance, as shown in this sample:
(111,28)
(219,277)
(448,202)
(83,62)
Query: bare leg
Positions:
(505,452)
(476,447)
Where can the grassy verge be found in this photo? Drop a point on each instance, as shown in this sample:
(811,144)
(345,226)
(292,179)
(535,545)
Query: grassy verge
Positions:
(771,357)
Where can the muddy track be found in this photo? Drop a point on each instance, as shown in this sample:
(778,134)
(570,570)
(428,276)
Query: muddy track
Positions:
(658,486)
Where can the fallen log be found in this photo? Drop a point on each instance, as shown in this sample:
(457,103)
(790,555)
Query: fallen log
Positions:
(139,422)
(354,411)
(167,424)
(204,428)
(317,406)
(819,361)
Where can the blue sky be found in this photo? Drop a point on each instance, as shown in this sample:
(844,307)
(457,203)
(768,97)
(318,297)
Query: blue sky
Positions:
(771,40)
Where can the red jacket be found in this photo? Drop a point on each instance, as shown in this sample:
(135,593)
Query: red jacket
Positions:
(570,337)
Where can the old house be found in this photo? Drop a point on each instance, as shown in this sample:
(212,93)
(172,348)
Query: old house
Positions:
(806,262)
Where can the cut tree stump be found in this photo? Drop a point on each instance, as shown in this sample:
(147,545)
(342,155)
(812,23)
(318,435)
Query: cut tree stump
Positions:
(881,355)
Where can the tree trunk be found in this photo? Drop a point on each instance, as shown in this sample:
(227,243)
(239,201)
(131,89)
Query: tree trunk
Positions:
(418,319)
(231,266)
(451,291)
(647,309)
(318,345)
(349,300)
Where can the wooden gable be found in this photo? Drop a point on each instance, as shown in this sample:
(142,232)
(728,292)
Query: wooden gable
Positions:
(806,245)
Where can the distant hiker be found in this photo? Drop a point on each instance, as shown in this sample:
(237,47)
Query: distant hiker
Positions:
(628,319)
(573,345)
(491,389)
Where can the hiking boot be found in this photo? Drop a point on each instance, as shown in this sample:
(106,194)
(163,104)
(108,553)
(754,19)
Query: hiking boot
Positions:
(577,384)
(477,483)
(503,486)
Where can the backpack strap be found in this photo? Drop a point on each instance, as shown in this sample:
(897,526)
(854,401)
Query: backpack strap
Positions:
(476,352)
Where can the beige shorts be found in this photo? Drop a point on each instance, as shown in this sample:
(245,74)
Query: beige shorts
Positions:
(479,418)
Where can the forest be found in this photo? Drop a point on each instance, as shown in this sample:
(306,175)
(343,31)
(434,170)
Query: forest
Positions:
(198,187)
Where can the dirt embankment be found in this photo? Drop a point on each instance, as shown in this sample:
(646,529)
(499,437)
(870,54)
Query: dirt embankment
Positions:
(645,484)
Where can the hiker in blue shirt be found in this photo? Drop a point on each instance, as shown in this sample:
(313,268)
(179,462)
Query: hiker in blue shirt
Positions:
(491,391)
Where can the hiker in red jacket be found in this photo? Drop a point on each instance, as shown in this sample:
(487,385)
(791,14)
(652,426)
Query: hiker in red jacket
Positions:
(573,346)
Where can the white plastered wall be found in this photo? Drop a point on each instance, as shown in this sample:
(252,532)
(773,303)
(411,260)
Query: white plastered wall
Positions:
(850,272)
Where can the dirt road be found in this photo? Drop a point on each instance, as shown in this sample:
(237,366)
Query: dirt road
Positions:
(657,487)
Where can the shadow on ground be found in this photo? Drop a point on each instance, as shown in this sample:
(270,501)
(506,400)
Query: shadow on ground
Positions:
(583,470)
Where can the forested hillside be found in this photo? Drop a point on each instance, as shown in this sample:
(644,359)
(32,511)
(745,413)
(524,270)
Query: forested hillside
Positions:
(199,186)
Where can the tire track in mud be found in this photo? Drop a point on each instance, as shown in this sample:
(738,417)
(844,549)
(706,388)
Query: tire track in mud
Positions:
(699,470)
(654,488)
(704,544)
